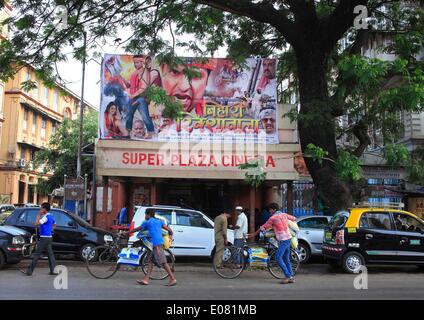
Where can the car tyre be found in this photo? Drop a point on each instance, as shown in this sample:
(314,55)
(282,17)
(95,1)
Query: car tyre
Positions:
(352,262)
(84,252)
(304,252)
(2,260)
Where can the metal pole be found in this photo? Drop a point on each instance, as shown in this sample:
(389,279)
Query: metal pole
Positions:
(85,197)
(81,119)
(81,110)
(94,194)
(64,192)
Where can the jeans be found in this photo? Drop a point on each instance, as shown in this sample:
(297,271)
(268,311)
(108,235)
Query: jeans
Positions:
(44,244)
(143,109)
(283,258)
(239,244)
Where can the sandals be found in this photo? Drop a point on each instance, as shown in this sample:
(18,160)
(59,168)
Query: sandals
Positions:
(142,282)
(172,283)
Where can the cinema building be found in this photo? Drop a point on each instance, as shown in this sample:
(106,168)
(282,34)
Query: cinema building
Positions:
(184,174)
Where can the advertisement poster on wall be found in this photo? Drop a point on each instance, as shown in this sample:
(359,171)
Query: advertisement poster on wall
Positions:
(224,102)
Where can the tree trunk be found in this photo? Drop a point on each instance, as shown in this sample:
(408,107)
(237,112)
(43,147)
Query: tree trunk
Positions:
(316,126)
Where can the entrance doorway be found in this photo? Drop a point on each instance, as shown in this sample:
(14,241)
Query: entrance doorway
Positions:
(21,198)
(210,197)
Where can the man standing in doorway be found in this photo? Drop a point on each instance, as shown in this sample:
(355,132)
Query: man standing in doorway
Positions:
(279,222)
(240,231)
(47,224)
(220,226)
(123,215)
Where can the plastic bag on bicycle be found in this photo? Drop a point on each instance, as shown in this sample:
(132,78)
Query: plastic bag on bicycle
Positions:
(257,257)
(130,256)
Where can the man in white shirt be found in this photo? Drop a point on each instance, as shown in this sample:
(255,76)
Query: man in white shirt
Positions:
(240,230)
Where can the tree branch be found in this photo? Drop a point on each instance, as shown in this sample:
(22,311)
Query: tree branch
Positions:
(261,12)
(334,26)
(360,130)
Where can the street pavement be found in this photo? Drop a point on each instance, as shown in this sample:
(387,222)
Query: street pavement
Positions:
(197,280)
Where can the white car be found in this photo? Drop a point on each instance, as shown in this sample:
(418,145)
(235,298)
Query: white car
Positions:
(193,230)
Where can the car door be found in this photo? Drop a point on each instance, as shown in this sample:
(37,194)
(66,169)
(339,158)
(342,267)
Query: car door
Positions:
(312,229)
(67,237)
(376,236)
(193,234)
(410,237)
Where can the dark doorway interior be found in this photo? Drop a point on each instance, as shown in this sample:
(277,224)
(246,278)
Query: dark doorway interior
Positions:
(21,192)
(206,196)
(31,193)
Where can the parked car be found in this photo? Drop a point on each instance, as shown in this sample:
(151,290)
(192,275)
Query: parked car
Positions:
(311,235)
(5,211)
(193,230)
(72,235)
(12,241)
(374,235)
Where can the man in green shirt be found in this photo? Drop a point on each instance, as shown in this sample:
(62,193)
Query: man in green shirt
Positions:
(220,227)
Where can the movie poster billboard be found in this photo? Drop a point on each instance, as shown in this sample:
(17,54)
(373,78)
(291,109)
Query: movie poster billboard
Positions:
(223,102)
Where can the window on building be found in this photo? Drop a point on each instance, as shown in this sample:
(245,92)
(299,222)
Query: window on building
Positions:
(25,119)
(54,127)
(43,127)
(46,96)
(34,124)
(23,151)
(32,155)
(55,101)
(27,75)
(35,90)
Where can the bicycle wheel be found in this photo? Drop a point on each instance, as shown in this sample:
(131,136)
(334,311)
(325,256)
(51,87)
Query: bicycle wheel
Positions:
(158,272)
(274,268)
(233,262)
(105,266)
(295,261)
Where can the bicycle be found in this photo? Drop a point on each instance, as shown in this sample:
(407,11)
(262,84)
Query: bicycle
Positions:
(103,261)
(234,260)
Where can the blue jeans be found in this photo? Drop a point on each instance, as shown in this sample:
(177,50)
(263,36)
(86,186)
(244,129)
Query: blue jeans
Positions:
(239,244)
(283,258)
(143,109)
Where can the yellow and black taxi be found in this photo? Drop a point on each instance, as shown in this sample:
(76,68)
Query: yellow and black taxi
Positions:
(367,234)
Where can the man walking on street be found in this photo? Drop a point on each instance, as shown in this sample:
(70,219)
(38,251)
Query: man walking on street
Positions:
(154,226)
(280,223)
(220,227)
(47,224)
(240,232)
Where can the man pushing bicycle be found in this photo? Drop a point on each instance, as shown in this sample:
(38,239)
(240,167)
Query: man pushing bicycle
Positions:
(154,226)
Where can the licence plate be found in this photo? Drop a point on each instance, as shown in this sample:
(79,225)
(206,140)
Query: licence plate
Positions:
(328,235)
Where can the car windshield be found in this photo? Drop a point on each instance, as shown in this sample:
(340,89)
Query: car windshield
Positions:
(339,220)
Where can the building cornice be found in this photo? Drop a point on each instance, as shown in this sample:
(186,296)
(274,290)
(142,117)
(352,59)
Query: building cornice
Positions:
(35,101)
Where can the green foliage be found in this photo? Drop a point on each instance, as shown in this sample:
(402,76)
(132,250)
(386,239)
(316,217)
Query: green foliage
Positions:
(316,153)
(348,166)
(60,157)
(396,155)
(173,108)
(255,174)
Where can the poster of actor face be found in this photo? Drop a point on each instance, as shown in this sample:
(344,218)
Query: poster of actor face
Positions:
(223,102)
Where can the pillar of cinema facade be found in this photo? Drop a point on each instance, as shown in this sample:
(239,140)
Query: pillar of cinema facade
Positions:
(142,157)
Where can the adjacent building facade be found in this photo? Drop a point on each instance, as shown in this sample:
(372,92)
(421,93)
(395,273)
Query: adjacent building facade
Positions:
(30,118)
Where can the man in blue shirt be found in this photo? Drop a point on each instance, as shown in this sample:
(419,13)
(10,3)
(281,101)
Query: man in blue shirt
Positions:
(123,215)
(47,224)
(154,226)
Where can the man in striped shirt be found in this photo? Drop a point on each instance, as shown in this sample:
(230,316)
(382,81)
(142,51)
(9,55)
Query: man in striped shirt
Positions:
(279,222)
